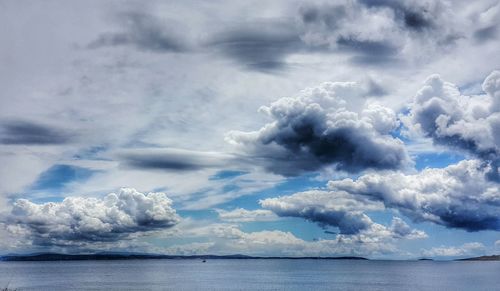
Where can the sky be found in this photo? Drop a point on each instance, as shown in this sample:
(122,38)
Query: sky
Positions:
(269,128)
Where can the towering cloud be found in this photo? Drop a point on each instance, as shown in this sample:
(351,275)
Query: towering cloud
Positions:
(80,220)
(317,129)
(459,196)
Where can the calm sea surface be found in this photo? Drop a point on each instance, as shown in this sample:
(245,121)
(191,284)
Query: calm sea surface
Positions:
(250,275)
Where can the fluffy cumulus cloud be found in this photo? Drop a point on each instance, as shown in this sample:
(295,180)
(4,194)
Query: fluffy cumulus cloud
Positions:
(470,123)
(80,221)
(340,210)
(458,196)
(467,249)
(317,129)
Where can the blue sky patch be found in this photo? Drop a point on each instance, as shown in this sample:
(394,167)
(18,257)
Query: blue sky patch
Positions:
(58,176)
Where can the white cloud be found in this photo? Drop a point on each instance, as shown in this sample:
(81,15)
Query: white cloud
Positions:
(78,221)
(325,208)
(401,229)
(244,215)
(469,123)
(341,210)
(229,239)
(458,196)
(467,249)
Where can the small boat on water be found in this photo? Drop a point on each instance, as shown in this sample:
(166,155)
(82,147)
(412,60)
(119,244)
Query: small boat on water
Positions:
(204,261)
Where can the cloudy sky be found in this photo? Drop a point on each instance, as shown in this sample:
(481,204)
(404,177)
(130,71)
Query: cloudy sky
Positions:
(280,128)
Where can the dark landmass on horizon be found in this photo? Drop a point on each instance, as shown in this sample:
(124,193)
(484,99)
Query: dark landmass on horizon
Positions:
(138,256)
(132,256)
(482,258)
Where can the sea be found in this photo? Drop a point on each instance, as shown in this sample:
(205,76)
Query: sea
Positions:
(250,274)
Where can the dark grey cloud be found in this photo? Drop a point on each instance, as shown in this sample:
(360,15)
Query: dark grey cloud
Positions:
(79,220)
(375,89)
(416,20)
(458,196)
(315,130)
(143,31)
(260,46)
(378,32)
(486,33)
(21,132)
(412,14)
(264,45)
(371,61)
(372,47)
(347,222)
(171,159)
(333,27)
(400,229)
(358,28)
(329,16)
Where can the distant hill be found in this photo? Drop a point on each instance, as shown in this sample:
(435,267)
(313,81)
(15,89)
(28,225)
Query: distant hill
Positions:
(482,258)
(136,256)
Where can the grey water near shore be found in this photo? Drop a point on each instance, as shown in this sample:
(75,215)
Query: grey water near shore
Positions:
(251,274)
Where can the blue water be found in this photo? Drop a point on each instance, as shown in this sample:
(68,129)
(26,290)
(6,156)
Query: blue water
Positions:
(250,275)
